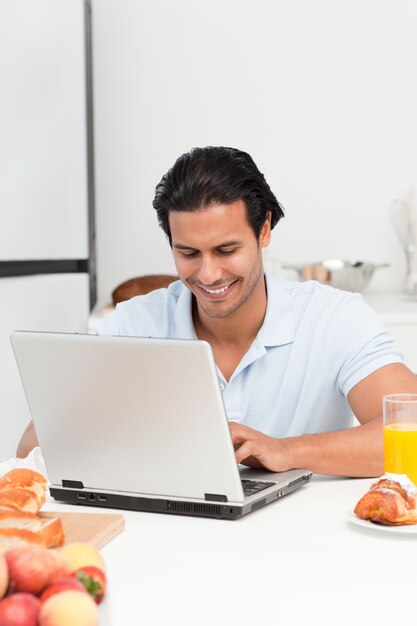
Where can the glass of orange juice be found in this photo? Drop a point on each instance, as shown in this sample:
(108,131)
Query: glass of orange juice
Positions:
(400,434)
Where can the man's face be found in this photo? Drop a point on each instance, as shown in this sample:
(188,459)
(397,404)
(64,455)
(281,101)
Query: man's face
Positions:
(217,255)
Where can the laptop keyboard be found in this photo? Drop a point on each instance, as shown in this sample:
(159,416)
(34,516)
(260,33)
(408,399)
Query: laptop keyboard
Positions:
(250,487)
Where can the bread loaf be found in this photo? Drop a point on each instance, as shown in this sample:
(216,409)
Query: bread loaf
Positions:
(22,494)
(18,500)
(22,489)
(22,477)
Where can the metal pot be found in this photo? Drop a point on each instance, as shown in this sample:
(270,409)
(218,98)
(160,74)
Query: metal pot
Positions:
(338,273)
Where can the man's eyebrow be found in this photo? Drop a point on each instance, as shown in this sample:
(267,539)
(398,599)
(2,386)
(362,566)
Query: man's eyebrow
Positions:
(225,244)
(180,246)
(228,244)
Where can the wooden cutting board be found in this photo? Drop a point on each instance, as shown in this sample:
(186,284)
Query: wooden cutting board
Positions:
(96,529)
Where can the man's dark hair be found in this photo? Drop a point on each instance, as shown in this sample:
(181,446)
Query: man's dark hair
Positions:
(216,175)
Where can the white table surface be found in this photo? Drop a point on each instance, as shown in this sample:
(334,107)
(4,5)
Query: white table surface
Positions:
(295,562)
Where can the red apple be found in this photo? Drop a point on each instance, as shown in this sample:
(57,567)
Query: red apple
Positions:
(19,609)
(63,566)
(31,568)
(61,584)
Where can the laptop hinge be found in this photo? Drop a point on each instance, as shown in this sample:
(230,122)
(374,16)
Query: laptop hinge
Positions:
(216,497)
(72,484)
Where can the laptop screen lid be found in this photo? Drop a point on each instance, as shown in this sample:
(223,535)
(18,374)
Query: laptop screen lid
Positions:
(129,414)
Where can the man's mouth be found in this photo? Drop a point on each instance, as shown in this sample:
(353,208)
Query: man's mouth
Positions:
(217,293)
(220,290)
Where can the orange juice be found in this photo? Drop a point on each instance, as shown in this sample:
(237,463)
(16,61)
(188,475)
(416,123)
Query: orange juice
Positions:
(400,450)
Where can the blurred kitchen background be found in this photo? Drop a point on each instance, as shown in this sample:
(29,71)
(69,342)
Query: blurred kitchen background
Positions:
(98,99)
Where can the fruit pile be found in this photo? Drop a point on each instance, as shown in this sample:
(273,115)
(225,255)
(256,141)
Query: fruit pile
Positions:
(51,587)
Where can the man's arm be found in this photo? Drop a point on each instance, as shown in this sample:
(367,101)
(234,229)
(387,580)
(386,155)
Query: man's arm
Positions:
(28,441)
(357,451)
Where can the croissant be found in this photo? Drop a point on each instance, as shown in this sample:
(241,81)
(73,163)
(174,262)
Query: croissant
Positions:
(392,501)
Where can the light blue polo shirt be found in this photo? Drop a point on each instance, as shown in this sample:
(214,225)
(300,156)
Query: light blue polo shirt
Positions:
(315,344)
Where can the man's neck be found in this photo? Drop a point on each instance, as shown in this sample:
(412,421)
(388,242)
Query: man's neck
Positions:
(240,327)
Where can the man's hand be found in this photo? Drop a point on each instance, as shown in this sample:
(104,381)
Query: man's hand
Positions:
(258,450)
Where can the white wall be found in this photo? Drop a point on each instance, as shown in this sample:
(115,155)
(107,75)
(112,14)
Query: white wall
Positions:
(322,94)
(43,181)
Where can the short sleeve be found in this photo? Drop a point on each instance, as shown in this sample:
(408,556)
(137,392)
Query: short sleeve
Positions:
(356,344)
(149,315)
(108,325)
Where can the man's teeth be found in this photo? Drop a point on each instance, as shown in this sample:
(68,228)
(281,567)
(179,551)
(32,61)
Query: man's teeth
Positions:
(214,291)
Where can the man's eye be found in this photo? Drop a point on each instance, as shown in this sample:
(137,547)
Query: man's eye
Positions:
(227,251)
(189,254)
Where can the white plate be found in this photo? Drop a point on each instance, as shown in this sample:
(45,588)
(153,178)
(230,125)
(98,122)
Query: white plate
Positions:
(410,529)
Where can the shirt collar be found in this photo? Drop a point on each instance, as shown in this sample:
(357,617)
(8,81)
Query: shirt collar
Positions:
(276,330)
(278,327)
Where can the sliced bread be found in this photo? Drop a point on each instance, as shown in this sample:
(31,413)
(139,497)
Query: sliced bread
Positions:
(16,526)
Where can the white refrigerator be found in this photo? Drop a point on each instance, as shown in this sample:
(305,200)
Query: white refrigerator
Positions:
(47,261)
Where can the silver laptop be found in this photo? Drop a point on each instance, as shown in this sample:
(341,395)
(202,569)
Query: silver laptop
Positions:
(138,423)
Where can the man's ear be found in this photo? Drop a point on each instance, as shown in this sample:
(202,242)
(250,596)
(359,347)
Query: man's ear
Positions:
(265,234)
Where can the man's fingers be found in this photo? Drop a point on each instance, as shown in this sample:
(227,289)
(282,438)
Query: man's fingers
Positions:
(240,433)
(245,450)
(245,456)
(249,444)
(253,462)
(238,438)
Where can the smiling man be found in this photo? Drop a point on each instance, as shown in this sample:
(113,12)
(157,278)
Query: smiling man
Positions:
(218,258)
(294,360)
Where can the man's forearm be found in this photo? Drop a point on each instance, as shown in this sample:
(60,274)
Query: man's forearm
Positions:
(358,451)
(354,452)
(28,441)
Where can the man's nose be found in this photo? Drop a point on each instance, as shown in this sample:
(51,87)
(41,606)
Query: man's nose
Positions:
(209,270)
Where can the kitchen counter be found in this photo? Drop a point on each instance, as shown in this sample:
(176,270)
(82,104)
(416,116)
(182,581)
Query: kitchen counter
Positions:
(394,308)
(399,314)
(297,561)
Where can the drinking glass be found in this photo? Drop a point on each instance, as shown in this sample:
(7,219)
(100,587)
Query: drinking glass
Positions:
(400,434)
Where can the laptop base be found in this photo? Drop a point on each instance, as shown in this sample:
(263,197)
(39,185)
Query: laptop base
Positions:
(214,510)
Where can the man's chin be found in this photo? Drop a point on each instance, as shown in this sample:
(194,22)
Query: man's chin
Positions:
(217,312)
